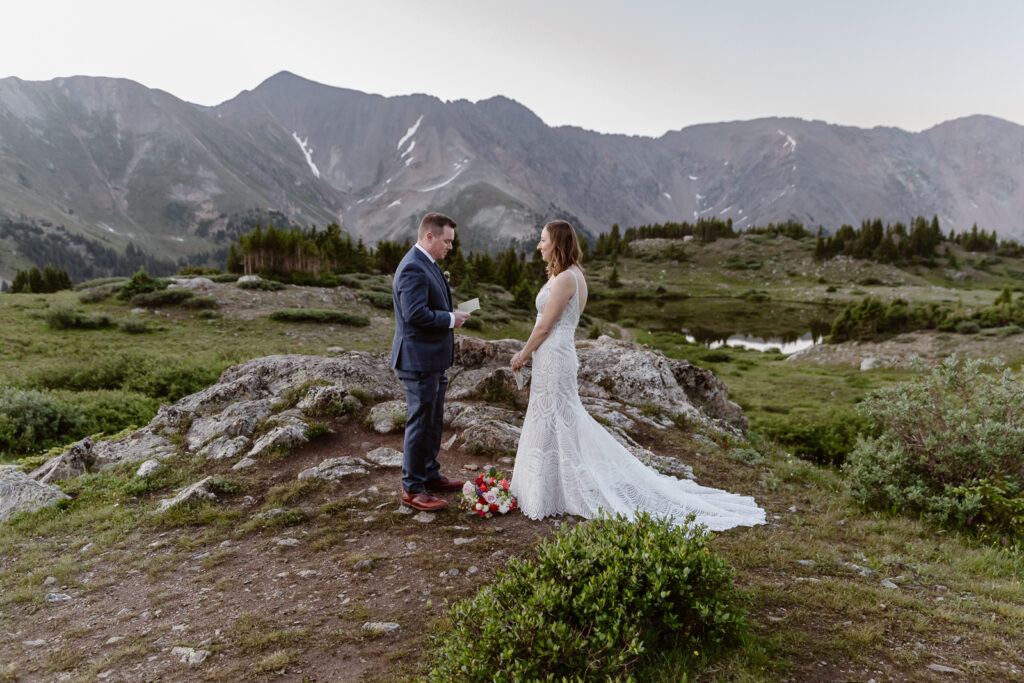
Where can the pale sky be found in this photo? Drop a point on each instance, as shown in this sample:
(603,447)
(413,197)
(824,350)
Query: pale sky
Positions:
(640,67)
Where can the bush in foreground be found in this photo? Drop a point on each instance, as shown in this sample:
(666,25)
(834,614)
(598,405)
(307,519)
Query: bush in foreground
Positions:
(600,602)
(950,447)
(319,315)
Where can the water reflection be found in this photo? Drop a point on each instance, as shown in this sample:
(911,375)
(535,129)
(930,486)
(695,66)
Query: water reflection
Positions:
(789,326)
(804,341)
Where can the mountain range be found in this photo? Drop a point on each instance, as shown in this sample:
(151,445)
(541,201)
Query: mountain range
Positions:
(110,162)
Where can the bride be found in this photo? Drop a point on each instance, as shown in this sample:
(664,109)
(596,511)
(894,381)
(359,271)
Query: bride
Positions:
(566,461)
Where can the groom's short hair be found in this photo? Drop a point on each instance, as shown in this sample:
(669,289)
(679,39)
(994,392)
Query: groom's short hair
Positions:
(434,223)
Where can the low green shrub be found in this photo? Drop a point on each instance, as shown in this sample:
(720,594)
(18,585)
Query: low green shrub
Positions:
(264,285)
(743,262)
(201,271)
(826,438)
(319,315)
(198,303)
(32,421)
(968,327)
(67,318)
(381,300)
(949,447)
(225,277)
(160,377)
(108,411)
(134,326)
(474,323)
(716,356)
(141,283)
(599,602)
(161,298)
(97,294)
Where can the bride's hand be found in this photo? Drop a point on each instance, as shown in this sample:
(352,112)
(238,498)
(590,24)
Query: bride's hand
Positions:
(517,361)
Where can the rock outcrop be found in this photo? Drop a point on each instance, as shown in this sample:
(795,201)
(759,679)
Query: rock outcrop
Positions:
(267,405)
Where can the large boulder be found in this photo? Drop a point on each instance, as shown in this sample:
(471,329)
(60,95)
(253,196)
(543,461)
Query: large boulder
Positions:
(638,375)
(21,493)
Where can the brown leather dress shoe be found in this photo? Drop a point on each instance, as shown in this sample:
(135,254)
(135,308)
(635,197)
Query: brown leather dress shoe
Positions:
(423,501)
(444,484)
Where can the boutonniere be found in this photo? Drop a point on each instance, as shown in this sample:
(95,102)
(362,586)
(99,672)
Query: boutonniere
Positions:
(447,276)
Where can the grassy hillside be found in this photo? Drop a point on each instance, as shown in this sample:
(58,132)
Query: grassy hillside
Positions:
(834,592)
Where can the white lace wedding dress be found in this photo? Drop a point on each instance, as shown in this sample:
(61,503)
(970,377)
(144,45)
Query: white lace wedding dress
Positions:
(568,463)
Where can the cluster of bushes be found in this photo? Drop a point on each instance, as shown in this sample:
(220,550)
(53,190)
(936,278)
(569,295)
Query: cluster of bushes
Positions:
(319,315)
(67,318)
(603,600)
(825,438)
(870,318)
(33,421)
(165,379)
(949,447)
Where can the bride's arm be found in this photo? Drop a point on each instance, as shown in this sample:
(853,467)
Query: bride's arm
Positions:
(561,292)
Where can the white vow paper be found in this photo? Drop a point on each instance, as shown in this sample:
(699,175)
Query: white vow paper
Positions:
(469,306)
(518,375)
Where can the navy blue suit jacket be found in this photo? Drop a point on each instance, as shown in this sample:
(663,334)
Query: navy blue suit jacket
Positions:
(424,340)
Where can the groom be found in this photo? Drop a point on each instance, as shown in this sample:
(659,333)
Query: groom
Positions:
(424,347)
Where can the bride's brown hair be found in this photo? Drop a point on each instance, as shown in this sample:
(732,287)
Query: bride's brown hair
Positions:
(565,248)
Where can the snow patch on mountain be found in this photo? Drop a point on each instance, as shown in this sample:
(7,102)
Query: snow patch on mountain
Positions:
(409,133)
(307,151)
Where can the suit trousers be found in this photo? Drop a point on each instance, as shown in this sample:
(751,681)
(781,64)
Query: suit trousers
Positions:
(424,397)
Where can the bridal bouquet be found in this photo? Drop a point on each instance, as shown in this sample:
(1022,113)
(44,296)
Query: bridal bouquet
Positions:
(488,495)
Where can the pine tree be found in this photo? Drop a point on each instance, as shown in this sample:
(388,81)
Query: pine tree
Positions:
(613,279)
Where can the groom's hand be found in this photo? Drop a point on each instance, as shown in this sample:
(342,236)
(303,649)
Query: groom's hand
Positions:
(460,318)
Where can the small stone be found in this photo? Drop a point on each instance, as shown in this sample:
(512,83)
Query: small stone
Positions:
(363,564)
(106,674)
(940,587)
(507,460)
(50,580)
(147,468)
(34,643)
(86,548)
(806,563)
(57,597)
(243,463)
(472,569)
(424,517)
(886,583)
(412,545)
(190,655)
(945,669)
(380,627)
(463,541)
(472,467)
(287,542)
(113,639)
(307,573)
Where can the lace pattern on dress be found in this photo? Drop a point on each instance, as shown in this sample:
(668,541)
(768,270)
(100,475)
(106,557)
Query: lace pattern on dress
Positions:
(567,462)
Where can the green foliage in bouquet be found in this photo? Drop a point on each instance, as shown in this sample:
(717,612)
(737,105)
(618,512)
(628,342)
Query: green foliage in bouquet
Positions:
(600,602)
(950,447)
